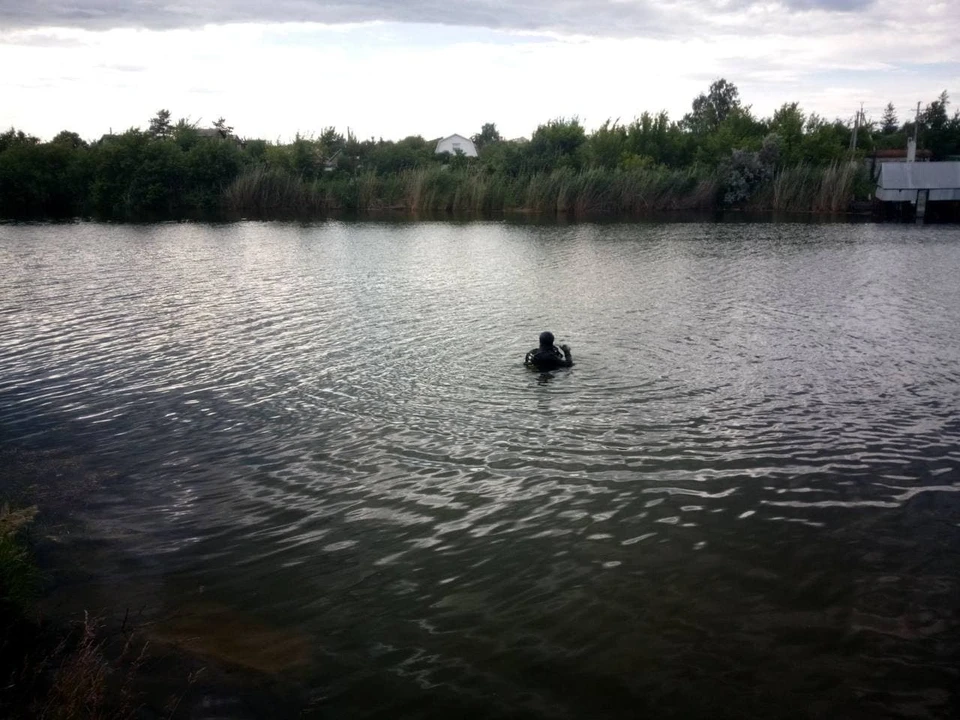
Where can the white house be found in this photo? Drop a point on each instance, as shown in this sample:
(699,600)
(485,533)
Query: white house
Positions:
(457,142)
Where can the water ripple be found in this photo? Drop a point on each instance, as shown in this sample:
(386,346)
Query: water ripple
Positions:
(329,425)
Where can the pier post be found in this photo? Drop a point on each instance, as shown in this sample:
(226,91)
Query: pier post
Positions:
(922,196)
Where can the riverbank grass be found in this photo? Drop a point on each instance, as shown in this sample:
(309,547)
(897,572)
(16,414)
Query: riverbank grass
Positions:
(261,192)
(53,673)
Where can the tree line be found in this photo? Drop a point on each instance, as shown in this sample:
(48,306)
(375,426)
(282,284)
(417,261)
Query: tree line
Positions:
(177,170)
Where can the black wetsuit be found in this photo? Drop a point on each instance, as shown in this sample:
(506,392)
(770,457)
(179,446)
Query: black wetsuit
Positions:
(547,358)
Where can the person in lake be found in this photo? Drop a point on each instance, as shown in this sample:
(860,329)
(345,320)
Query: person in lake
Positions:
(548,356)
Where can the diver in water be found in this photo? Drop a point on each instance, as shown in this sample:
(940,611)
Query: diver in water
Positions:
(548,356)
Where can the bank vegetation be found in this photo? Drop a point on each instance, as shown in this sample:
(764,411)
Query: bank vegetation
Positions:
(717,156)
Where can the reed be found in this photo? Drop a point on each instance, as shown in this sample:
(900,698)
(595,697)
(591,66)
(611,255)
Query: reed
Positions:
(262,192)
(657,189)
(606,192)
(836,187)
(805,188)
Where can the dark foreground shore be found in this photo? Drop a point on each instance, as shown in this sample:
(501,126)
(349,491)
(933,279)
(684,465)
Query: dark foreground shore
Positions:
(69,648)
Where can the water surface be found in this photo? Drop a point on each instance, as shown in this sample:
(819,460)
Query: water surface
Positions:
(331,466)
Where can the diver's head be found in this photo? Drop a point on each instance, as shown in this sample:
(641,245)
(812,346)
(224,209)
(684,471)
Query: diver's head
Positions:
(546,339)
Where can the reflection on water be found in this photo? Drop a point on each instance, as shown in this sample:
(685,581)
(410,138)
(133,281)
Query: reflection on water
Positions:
(742,500)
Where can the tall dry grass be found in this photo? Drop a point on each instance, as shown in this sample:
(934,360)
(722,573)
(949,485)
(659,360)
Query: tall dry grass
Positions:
(81,683)
(263,192)
(563,192)
(806,188)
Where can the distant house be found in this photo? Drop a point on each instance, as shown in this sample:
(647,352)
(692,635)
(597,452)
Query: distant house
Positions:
(878,158)
(332,163)
(208,133)
(457,142)
(898,155)
(215,134)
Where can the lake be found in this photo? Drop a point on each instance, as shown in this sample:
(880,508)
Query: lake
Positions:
(325,462)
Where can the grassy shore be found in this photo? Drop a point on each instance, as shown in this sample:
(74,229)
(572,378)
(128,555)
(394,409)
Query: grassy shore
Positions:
(265,193)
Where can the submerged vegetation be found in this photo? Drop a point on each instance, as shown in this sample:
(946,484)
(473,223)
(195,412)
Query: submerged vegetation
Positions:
(111,663)
(18,575)
(719,155)
(51,670)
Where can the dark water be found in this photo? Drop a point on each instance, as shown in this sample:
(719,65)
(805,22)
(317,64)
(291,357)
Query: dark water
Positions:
(331,465)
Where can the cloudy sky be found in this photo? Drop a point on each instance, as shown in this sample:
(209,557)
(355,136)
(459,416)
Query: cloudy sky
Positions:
(391,68)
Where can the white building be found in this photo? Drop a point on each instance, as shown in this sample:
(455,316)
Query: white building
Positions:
(457,142)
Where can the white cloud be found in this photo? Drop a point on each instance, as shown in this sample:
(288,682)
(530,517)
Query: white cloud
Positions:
(394,79)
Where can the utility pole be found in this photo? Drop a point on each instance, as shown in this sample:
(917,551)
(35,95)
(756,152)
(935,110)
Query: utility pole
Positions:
(912,142)
(916,125)
(856,127)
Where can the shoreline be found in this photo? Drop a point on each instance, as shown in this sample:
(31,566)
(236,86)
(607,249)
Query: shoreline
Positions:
(60,647)
(520,215)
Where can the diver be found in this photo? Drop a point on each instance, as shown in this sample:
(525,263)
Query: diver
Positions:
(548,356)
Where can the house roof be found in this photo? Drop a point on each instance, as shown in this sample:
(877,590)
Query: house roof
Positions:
(920,176)
(455,135)
(900,153)
(901,181)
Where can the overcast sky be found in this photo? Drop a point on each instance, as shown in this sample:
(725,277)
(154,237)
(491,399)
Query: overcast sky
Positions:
(392,68)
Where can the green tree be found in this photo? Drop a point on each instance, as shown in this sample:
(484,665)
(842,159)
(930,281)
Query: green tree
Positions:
(70,139)
(825,141)
(185,134)
(659,140)
(331,142)
(306,157)
(503,158)
(939,133)
(788,123)
(160,125)
(710,109)
(488,134)
(388,157)
(889,123)
(42,180)
(137,179)
(607,145)
(557,144)
(738,131)
(221,127)
(934,115)
(255,150)
(741,174)
(458,160)
(14,137)
(208,168)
